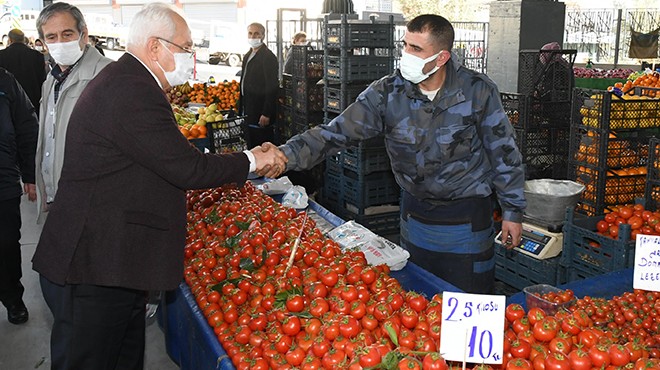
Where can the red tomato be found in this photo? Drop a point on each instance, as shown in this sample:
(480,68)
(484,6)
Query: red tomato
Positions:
(520,348)
(513,312)
(599,355)
(434,361)
(557,361)
(409,363)
(519,364)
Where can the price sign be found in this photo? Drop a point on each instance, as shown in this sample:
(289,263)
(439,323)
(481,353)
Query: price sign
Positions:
(472,327)
(647,263)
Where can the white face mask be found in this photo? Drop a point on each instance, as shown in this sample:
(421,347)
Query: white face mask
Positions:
(254,43)
(66,53)
(412,66)
(183,68)
(39,48)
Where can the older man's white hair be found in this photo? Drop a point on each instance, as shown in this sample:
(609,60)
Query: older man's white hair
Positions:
(153,20)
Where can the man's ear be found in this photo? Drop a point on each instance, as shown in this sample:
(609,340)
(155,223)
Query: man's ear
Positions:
(444,57)
(153,46)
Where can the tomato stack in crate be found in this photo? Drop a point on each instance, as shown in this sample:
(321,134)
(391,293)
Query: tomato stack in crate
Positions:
(359,185)
(609,147)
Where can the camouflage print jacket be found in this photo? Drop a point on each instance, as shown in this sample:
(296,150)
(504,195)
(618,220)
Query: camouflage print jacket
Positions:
(459,145)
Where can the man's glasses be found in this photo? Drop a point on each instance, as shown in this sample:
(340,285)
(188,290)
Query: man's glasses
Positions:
(190,51)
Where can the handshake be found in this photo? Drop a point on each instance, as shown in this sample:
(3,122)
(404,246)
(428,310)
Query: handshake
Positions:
(270,160)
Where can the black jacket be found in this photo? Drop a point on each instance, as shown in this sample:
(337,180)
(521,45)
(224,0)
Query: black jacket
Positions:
(18,137)
(27,65)
(259,84)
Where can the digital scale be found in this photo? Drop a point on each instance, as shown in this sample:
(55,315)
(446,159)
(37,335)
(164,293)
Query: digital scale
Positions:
(537,241)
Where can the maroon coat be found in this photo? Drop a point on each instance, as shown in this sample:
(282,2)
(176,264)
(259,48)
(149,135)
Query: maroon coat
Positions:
(119,216)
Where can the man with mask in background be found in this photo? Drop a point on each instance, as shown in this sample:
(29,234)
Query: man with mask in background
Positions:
(259,84)
(62,27)
(450,145)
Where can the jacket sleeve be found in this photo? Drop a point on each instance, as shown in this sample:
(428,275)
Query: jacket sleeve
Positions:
(26,127)
(271,85)
(498,135)
(360,121)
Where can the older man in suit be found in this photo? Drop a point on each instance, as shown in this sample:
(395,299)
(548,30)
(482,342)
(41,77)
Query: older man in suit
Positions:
(26,64)
(117,228)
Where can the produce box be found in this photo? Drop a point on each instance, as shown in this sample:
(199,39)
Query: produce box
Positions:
(355,68)
(605,111)
(520,270)
(587,253)
(359,34)
(337,98)
(533,298)
(361,192)
(307,63)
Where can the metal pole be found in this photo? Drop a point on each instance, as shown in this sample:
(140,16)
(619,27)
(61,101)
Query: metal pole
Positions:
(618,37)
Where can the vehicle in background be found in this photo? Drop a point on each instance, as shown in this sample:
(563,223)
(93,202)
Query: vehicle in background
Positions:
(26,22)
(110,34)
(226,43)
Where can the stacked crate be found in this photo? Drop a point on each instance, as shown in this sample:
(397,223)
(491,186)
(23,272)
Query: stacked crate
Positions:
(652,189)
(305,110)
(541,142)
(284,110)
(541,111)
(609,148)
(358,182)
(303,96)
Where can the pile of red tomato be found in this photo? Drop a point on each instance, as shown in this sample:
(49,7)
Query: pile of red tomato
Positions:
(641,221)
(621,333)
(560,296)
(329,310)
(332,310)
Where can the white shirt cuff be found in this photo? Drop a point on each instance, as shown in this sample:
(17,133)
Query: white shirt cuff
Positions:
(253,161)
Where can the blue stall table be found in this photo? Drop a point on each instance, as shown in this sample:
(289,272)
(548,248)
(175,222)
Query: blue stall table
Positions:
(191,342)
(603,286)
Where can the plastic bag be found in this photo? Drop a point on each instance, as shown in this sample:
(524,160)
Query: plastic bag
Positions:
(296,197)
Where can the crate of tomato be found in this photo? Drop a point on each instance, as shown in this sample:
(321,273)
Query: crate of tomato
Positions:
(601,244)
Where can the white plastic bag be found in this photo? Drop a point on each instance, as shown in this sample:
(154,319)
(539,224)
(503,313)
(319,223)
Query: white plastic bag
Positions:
(296,197)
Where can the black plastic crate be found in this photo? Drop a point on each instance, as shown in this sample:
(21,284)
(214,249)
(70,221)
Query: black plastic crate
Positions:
(227,135)
(337,98)
(383,224)
(358,193)
(544,151)
(605,190)
(653,168)
(591,253)
(353,68)
(307,96)
(364,159)
(602,110)
(520,270)
(546,74)
(307,119)
(515,107)
(359,34)
(307,63)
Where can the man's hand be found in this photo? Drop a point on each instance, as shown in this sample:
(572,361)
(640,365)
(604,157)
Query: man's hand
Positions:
(511,234)
(264,121)
(31,191)
(271,162)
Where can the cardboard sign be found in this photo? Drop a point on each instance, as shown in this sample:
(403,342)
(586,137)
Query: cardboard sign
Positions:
(472,327)
(647,263)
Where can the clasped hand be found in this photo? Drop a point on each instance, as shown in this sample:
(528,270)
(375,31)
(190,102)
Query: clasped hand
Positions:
(271,162)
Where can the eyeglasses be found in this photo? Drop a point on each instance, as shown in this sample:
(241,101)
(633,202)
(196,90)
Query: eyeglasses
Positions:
(190,51)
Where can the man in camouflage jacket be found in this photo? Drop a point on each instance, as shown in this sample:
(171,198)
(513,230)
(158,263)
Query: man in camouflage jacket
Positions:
(450,145)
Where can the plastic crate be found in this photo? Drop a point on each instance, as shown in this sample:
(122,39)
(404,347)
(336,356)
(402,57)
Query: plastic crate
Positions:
(307,96)
(520,270)
(515,107)
(601,110)
(364,160)
(355,68)
(591,253)
(337,99)
(304,120)
(383,224)
(653,163)
(359,193)
(227,135)
(546,74)
(359,34)
(605,190)
(544,152)
(307,63)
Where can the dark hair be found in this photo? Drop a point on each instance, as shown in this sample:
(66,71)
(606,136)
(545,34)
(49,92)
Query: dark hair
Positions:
(59,7)
(440,29)
(16,36)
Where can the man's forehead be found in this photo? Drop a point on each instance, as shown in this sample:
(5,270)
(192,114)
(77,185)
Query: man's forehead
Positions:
(420,39)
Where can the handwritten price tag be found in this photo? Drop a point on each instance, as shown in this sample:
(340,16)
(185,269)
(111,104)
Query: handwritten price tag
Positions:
(472,327)
(647,263)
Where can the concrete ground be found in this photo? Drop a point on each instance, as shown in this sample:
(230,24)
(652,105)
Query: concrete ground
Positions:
(26,346)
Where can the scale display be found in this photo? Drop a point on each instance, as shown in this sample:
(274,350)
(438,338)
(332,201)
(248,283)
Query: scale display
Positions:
(537,242)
